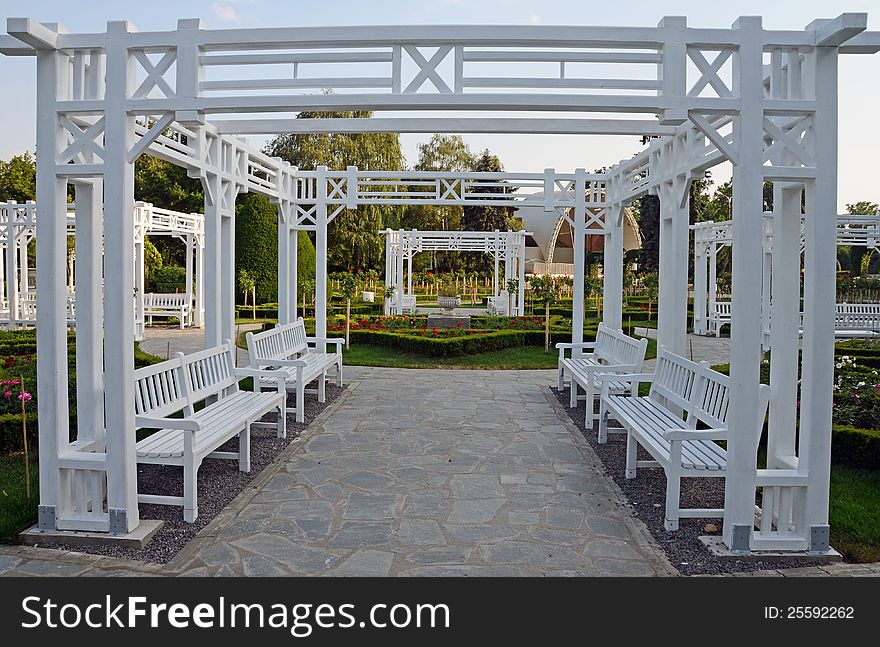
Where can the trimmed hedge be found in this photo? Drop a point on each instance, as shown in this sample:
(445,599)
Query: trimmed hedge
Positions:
(452,346)
(859,448)
(10,432)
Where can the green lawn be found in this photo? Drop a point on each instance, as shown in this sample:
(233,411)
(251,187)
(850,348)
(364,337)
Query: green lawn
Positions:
(16,510)
(855,513)
(523,357)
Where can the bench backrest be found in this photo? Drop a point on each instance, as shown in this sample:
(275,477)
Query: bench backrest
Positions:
(178,384)
(674,379)
(163,300)
(710,399)
(281,342)
(722,308)
(615,347)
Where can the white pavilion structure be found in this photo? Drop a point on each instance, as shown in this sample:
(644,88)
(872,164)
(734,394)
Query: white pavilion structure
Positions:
(763,99)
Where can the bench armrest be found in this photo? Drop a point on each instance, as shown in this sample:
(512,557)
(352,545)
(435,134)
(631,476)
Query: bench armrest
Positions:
(695,434)
(583,344)
(280,362)
(623,377)
(186,424)
(259,372)
(326,340)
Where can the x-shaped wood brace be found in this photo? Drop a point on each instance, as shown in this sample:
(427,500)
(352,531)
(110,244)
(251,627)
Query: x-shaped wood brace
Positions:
(155,78)
(786,137)
(427,69)
(709,72)
(81,139)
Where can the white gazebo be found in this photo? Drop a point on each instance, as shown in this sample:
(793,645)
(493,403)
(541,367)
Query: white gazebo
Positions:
(18,227)
(764,100)
(506,247)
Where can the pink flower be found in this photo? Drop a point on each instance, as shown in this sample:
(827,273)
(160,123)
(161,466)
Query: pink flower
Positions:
(25,396)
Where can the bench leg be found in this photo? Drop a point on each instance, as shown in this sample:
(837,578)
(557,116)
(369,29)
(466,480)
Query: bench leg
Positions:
(300,401)
(339,373)
(603,423)
(244,449)
(561,377)
(673,495)
(281,419)
(588,416)
(632,448)
(322,387)
(190,491)
(572,393)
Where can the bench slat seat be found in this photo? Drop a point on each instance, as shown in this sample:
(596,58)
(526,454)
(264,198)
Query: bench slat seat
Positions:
(295,360)
(219,423)
(612,352)
(209,377)
(683,395)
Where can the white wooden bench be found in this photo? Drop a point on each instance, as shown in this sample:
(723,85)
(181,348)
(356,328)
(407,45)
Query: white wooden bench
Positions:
(177,386)
(299,359)
(719,315)
(683,394)
(857,320)
(157,304)
(500,305)
(612,352)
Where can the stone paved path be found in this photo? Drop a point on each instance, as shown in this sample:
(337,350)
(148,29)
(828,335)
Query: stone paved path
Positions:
(433,473)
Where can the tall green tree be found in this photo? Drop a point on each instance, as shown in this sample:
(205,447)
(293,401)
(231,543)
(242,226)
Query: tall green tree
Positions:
(441,154)
(354,242)
(18,178)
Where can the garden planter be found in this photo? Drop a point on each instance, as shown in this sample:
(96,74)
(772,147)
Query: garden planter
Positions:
(449,304)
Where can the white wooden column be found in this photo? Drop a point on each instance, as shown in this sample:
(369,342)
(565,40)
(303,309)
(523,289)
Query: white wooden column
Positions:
(785,283)
(612,282)
(52,403)
(817,372)
(118,303)
(284,308)
(227,264)
(745,329)
(495,289)
(213,261)
(321,252)
(580,255)
(190,252)
(673,277)
(139,267)
(11,266)
(700,283)
(398,272)
(293,282)
(520,297)
(199,250)
(713,278)
(89,313)
(409,257)
(21,244)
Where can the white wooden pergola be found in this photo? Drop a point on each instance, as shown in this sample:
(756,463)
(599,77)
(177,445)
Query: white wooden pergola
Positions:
(710,237)
(18,227)
(765,100)
(505,247)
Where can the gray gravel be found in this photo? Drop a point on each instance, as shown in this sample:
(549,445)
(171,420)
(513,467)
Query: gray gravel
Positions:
(219,482)
(647,495)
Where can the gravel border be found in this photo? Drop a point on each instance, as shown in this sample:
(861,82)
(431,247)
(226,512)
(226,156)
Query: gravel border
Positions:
(647,496)
(219,483)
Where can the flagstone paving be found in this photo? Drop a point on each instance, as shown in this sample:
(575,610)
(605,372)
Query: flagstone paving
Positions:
(458,473)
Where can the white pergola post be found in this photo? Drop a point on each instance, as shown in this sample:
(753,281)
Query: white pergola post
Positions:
(227,278)
(284,273)
(495,289)
(700,282)
(189,264)
(89,313)
(386,277)
(213,260)
(118,302)
(579,231)
(11,266)
(673,275)
(745,328)
(52,404)
(713,277)
(612,282)
(819,304)
(139,269)
(321,252)
(199,251)
(398,271)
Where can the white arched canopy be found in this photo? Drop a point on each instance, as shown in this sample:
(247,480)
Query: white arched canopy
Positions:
(765,100)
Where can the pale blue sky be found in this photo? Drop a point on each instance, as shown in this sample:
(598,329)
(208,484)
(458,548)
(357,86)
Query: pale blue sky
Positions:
(859,75)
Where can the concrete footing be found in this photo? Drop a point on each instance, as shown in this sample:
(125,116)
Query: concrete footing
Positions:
(137,538)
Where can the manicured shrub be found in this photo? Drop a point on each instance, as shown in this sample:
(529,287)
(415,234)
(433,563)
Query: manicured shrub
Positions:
(859,448)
